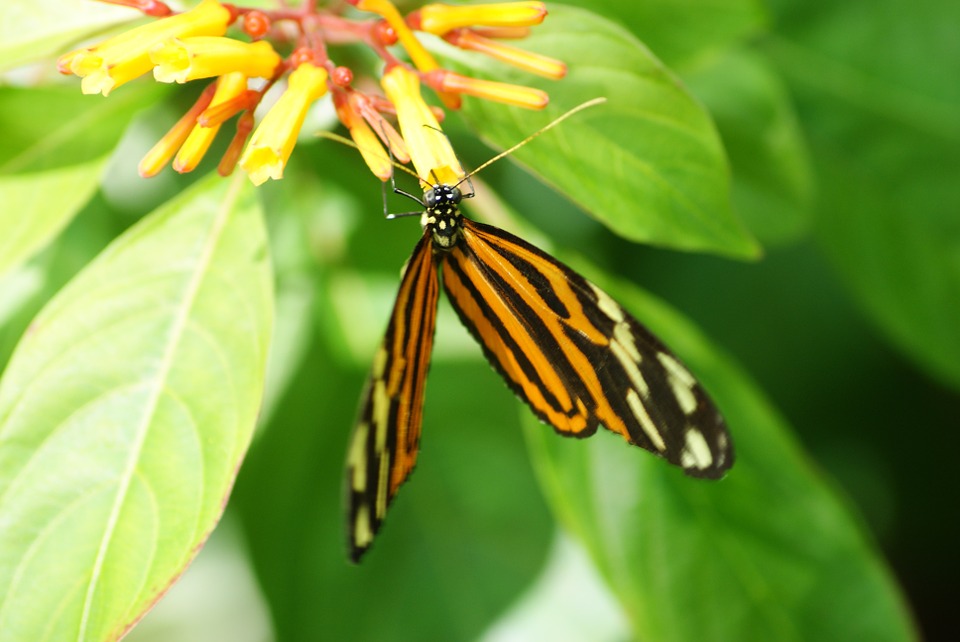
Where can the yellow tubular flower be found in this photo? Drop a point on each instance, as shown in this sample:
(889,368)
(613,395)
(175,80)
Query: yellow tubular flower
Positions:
(429,148)
(167,146)
(497,91)
(367,142)
(421,58)
(126,56)
(181,60)
(381,127)
(526,60)
(440,18)
(195,146)
(273,140)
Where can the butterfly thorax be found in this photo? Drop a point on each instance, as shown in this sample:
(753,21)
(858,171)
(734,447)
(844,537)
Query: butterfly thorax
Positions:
(442,216)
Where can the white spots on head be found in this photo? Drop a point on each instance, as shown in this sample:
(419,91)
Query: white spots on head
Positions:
(649,428)
(696,452)
(362,533)
(357,458)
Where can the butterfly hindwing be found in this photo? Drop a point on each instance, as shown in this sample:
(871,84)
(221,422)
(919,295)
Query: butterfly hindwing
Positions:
(385,441)
(575,356)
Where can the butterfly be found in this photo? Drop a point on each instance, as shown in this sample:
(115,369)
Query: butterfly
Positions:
(562,344)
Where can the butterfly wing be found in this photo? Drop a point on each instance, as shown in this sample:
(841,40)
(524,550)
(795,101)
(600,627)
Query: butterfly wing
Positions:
(575,356)
(385,441)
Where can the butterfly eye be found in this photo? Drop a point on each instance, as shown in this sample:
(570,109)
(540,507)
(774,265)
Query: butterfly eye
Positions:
(455,194)
(430,197)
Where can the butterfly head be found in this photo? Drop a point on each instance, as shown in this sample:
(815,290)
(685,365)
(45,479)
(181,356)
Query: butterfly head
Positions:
(442,215)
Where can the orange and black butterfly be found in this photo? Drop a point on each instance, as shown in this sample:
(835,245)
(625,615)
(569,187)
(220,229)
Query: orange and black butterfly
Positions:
(562,344)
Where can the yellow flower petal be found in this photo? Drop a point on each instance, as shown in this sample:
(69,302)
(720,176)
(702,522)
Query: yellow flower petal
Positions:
(500,92)
(421,58)
(363,137)
(200,138)
(535,63)
(118,60)
(429,148)
(274,139)
(181,60)
(441,18)
(166,147)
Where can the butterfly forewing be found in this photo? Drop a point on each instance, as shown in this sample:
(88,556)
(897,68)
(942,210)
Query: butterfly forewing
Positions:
(385,441)
(575,356)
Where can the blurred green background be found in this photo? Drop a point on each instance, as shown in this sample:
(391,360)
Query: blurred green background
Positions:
(842,124)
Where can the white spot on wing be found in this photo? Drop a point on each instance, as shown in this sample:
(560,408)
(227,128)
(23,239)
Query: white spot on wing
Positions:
(362,534)
(673,367)
(357,457)
(631,368)
(696,452)
(382,483)
(681,382)
(381,413)
(685,396)
(379,362)
(623,335)
(607,305)
(645,421)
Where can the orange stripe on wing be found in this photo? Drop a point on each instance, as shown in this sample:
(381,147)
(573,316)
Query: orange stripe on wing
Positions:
(553,281)
(386,439)
(508,343)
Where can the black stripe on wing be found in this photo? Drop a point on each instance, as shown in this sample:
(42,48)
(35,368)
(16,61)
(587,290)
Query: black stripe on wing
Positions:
(521,303)
(383,448)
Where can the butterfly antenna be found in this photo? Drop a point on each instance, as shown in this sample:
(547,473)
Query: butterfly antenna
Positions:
(548,126)
(349,143)
(393,183)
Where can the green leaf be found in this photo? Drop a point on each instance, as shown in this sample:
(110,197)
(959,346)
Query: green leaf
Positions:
(463,539)
(51,160)
(683,32)
(885,133)
(33,30)
(772,177)
(124,414)
(648,163)
(768,553)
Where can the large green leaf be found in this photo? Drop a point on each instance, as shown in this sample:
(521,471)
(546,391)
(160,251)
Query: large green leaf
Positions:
(684,32)
(56,142)
(466,535)
(772,178)
(124,414)
(648,163)
(768,553)
(877,88)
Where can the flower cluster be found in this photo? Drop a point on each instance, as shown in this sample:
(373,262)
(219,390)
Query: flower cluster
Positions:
(293,46)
